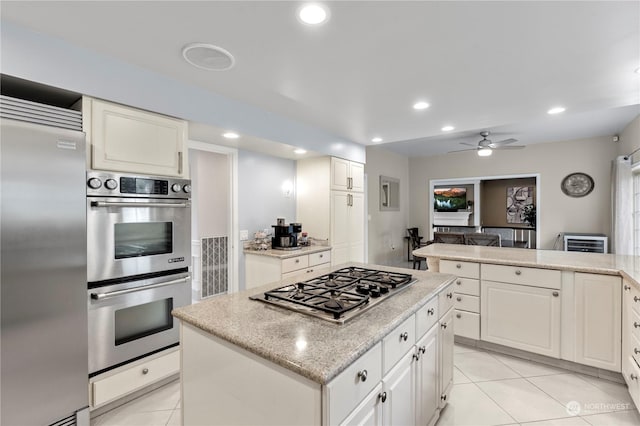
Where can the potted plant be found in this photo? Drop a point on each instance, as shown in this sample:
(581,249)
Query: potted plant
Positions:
(529,215)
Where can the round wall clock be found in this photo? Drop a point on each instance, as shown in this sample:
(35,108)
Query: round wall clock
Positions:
(577,184)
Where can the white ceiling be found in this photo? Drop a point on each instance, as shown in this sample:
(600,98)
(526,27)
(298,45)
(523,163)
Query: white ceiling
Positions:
(481,65)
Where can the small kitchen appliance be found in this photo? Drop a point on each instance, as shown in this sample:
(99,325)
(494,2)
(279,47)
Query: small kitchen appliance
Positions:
(285,237)
(339,295)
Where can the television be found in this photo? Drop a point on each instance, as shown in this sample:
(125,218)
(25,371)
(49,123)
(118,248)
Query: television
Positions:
(449,199)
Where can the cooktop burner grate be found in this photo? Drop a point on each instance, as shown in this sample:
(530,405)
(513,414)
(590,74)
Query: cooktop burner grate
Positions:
(338,295)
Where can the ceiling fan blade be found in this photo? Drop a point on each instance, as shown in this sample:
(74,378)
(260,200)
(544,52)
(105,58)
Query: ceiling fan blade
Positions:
(510,147)
(469,144)
(501,143)
(463,150)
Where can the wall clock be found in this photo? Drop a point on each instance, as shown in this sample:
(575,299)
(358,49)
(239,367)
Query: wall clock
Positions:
(577,184)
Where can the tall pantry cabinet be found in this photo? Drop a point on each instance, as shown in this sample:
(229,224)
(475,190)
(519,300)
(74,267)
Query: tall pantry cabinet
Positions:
(330,205)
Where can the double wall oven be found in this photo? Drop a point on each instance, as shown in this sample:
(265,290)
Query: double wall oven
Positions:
(138,254)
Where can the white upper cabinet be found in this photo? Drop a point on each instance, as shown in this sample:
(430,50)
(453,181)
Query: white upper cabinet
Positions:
(125,139)
(347,175)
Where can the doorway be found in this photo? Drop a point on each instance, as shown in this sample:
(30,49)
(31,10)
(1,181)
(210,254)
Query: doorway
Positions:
(213,220)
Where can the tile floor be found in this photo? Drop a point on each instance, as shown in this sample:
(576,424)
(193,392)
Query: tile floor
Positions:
(489,389)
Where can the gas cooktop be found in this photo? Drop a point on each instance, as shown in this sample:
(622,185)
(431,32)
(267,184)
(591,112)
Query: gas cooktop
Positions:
(340,295)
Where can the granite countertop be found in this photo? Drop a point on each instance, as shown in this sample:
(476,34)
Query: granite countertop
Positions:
(285,254)
(312,347)
(626,266)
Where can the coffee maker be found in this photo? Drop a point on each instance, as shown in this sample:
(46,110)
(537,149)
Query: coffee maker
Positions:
(285,237)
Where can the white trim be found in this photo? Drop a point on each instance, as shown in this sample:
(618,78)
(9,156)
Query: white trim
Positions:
(234,251)
(475,181)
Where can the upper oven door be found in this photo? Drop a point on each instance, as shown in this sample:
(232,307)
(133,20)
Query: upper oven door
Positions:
(131,236)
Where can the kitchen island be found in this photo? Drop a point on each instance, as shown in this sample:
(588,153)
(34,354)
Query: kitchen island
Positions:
(247,362)
(579,311)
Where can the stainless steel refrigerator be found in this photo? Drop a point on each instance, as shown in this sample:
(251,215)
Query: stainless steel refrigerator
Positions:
(44,371)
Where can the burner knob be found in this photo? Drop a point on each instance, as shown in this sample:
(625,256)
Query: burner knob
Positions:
(301,286)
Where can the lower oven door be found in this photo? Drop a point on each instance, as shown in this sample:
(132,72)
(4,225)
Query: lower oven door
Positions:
(130,320)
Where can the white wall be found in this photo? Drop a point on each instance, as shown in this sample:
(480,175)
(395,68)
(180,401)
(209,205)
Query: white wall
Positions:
(387,229)
(557,212)
(260,197)
(630,140)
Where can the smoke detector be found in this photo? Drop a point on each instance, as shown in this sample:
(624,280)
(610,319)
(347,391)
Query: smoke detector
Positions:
(208,57)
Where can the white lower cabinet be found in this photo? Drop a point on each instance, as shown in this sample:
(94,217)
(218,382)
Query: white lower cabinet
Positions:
(598,309)
(445,360)
(262,269)
(427,397)
(369,411)
(521,316)
(399,393)
(630,342)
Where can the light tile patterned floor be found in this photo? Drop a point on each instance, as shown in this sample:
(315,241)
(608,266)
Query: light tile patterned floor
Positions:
(489,389)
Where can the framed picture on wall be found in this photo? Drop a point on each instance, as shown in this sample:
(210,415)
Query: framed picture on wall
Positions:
(518,197)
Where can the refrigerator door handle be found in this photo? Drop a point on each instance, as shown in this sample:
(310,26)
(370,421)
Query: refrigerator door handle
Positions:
(125,204)
(100,296)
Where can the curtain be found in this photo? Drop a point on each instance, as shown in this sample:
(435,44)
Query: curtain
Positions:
(622,218)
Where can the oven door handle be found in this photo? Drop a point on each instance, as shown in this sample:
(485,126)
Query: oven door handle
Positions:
(100,296)
(126,204)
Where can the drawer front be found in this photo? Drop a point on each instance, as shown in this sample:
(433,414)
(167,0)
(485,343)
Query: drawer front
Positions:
(634,318)
(467,286)
(295,263)
(319,258)
(635,348)
(397,343)
(633,297)
(445,300)
(426,317)
(631,374)
(467,324)
(325,267)
(535,277)
(460,269)
(352,385)
(465,302)
(134,378)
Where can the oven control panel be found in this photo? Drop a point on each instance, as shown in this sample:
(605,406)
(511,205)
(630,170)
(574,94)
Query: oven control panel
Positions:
(107,184)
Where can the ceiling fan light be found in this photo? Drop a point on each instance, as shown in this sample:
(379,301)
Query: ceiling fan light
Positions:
(484,152)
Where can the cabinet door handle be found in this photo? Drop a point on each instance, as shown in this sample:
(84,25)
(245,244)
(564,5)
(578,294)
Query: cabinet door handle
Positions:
(636,351)
(518,272)
(383,397)
(636,299)
(179,162)
(458,265)
(636,325)
(416,356)
(458,315)
(362,375)
(430,311)
(449,295)
(633,376)
(555,294)
(443,397)
(459,282)
(627,287)
(404,336)
(443,325)
(423,349)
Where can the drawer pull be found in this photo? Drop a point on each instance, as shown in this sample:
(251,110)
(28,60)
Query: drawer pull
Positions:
(449,295)
(459,299)
(636,325)
(404,336)
(458,265)
(633,376)
(430,311)
(383,397)
(636,351)
(297,260)
(416,356)
(636,299)
(145,370)
(518,272)
(555,294)
(321,256)
(443,397)
(458,315)
(362,375)
(627,287)
(423,349)
(459,282)
(443,325)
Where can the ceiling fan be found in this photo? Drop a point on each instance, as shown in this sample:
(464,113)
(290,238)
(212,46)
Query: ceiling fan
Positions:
(485,147)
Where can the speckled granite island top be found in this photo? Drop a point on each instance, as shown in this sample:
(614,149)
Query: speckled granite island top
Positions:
(285,254)
(597,263)
(312,347)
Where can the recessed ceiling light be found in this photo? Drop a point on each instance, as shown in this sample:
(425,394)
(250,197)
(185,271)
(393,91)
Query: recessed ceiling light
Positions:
(208,56)
(231,135)
(376,140)
(484,152)
(556,110)
(300,151)
(447,128)
(421,105)
(313,14)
